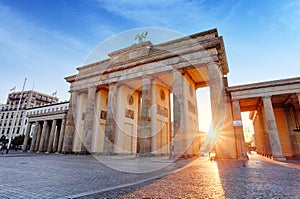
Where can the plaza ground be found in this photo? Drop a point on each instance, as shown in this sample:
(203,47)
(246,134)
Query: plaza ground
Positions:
(25,175)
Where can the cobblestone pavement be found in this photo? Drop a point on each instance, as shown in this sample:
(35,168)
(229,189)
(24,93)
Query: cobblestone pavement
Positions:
(30,175)
(260,178)
(69,176)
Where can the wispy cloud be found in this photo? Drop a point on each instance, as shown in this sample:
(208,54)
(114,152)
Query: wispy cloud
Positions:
(29,49)
(146,12)
(291,17)
(169,14)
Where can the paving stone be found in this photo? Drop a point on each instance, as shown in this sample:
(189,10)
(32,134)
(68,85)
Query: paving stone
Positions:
(70,176)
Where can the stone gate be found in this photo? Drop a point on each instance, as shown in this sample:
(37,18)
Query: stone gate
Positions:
(122,105)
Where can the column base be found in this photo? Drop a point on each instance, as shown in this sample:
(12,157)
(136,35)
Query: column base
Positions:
(180,156)
(144,155)
(243,157)
(279,158)
(84,153)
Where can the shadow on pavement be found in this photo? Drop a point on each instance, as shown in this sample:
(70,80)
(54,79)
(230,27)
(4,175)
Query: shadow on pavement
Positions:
(260,178)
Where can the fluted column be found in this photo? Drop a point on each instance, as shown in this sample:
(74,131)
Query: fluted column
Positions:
(24,146)
(217,97)
(61,135)
(271,128)
(56,137)
(43,135)
(146,130)
(47,135)
(38,138)
(240,140)
(110,126)
(170,128)
(178,114)
(70,125)
(89,121)
(34,138)
(51,137)
(292,136)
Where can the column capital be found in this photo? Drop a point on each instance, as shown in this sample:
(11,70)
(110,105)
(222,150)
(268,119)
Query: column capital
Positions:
(266,96)
(179,70)
(213,63)
(147,77)
(298,94)
(113,84)
(73,92)
(235,100)
(92,88)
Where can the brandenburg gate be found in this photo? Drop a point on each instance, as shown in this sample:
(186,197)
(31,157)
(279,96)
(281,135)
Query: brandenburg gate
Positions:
(122,105)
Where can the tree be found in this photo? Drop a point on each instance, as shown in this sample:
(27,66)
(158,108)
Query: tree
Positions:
(18,140)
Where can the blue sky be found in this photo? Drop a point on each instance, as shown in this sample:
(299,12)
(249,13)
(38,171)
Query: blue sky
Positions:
(45,40)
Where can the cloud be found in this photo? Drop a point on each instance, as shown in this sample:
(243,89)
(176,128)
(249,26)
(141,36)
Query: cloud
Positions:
(291,17)
(169,13)
(44,56)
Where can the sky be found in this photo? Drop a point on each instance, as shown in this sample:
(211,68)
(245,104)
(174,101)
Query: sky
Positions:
(45,40)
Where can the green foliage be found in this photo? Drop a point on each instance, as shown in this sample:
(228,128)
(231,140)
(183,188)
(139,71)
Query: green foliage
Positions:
(18,140)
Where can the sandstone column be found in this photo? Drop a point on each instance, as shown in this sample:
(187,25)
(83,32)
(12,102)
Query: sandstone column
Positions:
(34,138)
(179,114)
(38,138)
(217,97)
(298,95)
(240,140)
(146,130)
(70,125)
(24,146)
(138,148)
(291,133)
(218,111)
(110,127)
(51,138)
(170,128)
(47,135)
(88,121)
(271,129)
(56,137)
(264,139)
(43,135)
(61,135)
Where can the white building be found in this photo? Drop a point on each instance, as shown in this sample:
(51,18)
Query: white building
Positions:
(12,118)
(45,127)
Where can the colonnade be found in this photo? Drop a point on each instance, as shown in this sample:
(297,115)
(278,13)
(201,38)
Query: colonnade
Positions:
(149,127)
(47,137)
(265,127)
(147,74)
(88,132)
(275,134)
